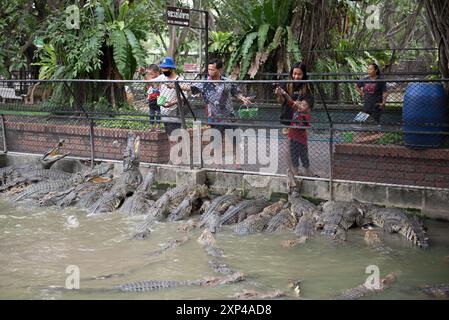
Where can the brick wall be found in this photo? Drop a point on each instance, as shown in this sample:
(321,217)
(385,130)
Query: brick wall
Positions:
(392,164)
(109,143)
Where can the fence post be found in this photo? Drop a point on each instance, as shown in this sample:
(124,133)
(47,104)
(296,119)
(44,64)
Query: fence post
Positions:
(5,148)
(91,125)
(331,144)
(182,118)
(331,158)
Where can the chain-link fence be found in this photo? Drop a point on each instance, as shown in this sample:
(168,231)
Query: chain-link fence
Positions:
(396,133)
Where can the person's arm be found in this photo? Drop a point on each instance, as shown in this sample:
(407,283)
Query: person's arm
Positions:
(245,100)
(285,97)
(359,90)
(238,94)
(384,99)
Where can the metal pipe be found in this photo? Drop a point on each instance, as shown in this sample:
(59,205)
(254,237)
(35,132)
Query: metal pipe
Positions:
(206,44)
(92,146)
(5,148)
(233,81)
(181,116)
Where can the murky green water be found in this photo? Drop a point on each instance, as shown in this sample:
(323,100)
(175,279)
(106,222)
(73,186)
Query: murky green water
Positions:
(37,245)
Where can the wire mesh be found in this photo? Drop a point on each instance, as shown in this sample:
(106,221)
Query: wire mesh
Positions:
(399,139)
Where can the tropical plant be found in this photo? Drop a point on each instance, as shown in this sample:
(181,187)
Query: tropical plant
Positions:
(221,42)
(267,31)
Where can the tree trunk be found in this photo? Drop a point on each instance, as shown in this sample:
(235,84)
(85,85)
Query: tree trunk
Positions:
(437,13)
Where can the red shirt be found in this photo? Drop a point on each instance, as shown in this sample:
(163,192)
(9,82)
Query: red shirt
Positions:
(300,120)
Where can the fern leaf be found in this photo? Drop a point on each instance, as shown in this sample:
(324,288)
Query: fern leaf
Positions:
(136,48)
(234,57)
(262,36)
(276,39)
(108,10)
(248,42)
(246,62)
(122,11)
(120,50)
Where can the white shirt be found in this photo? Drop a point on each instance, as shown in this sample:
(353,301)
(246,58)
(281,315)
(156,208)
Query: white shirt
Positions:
(169,93)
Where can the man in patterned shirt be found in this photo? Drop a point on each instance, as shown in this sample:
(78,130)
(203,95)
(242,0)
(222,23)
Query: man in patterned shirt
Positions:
(217,96)
(218,100)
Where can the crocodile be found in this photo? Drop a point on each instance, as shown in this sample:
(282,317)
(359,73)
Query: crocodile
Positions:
(258,222)
(152,285)
(396,220)
(126,184)
(306,226)
(363,290)
(219,267)
(295,285)
(252,294)
(170,244)
(205,206)
(207,241)
(42,188)
(298,205)
(213,223)
(242,210)
(70,196)
(214,251)
(28,177)
(156,213)
(375,242)
(139,203)
(293,242)
(218,206)
(284,220)
(14,176)
(184,209)
(437,291)
(171,199)
(339,216)
(162,206)
(87,197)
(188,226)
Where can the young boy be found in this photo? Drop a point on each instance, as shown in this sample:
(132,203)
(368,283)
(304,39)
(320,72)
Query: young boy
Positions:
(153,93)
(298,137)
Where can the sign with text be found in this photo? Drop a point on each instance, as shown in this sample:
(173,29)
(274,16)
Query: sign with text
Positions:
(178,16)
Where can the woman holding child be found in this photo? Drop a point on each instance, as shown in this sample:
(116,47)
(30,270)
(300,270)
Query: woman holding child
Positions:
(297,101)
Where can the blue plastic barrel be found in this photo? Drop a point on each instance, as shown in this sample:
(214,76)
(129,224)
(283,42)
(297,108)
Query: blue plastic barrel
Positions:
(424,111)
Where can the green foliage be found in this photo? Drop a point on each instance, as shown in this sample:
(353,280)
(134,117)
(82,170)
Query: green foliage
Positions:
(221,42)
(390,138)
(47,61)
(265,22)
(137,123)
(82,52)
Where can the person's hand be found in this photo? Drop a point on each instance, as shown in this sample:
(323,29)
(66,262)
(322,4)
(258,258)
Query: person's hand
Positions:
(279,91)
(381,105)
(246,100)
(361,93)
(297,105)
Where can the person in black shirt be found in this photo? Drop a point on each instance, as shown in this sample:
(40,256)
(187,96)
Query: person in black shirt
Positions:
(374,94)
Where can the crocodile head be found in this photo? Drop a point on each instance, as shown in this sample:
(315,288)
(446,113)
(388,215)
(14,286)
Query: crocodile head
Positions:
(293,186)
(131,155)
(52,155)
(418,234)
(203,191)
